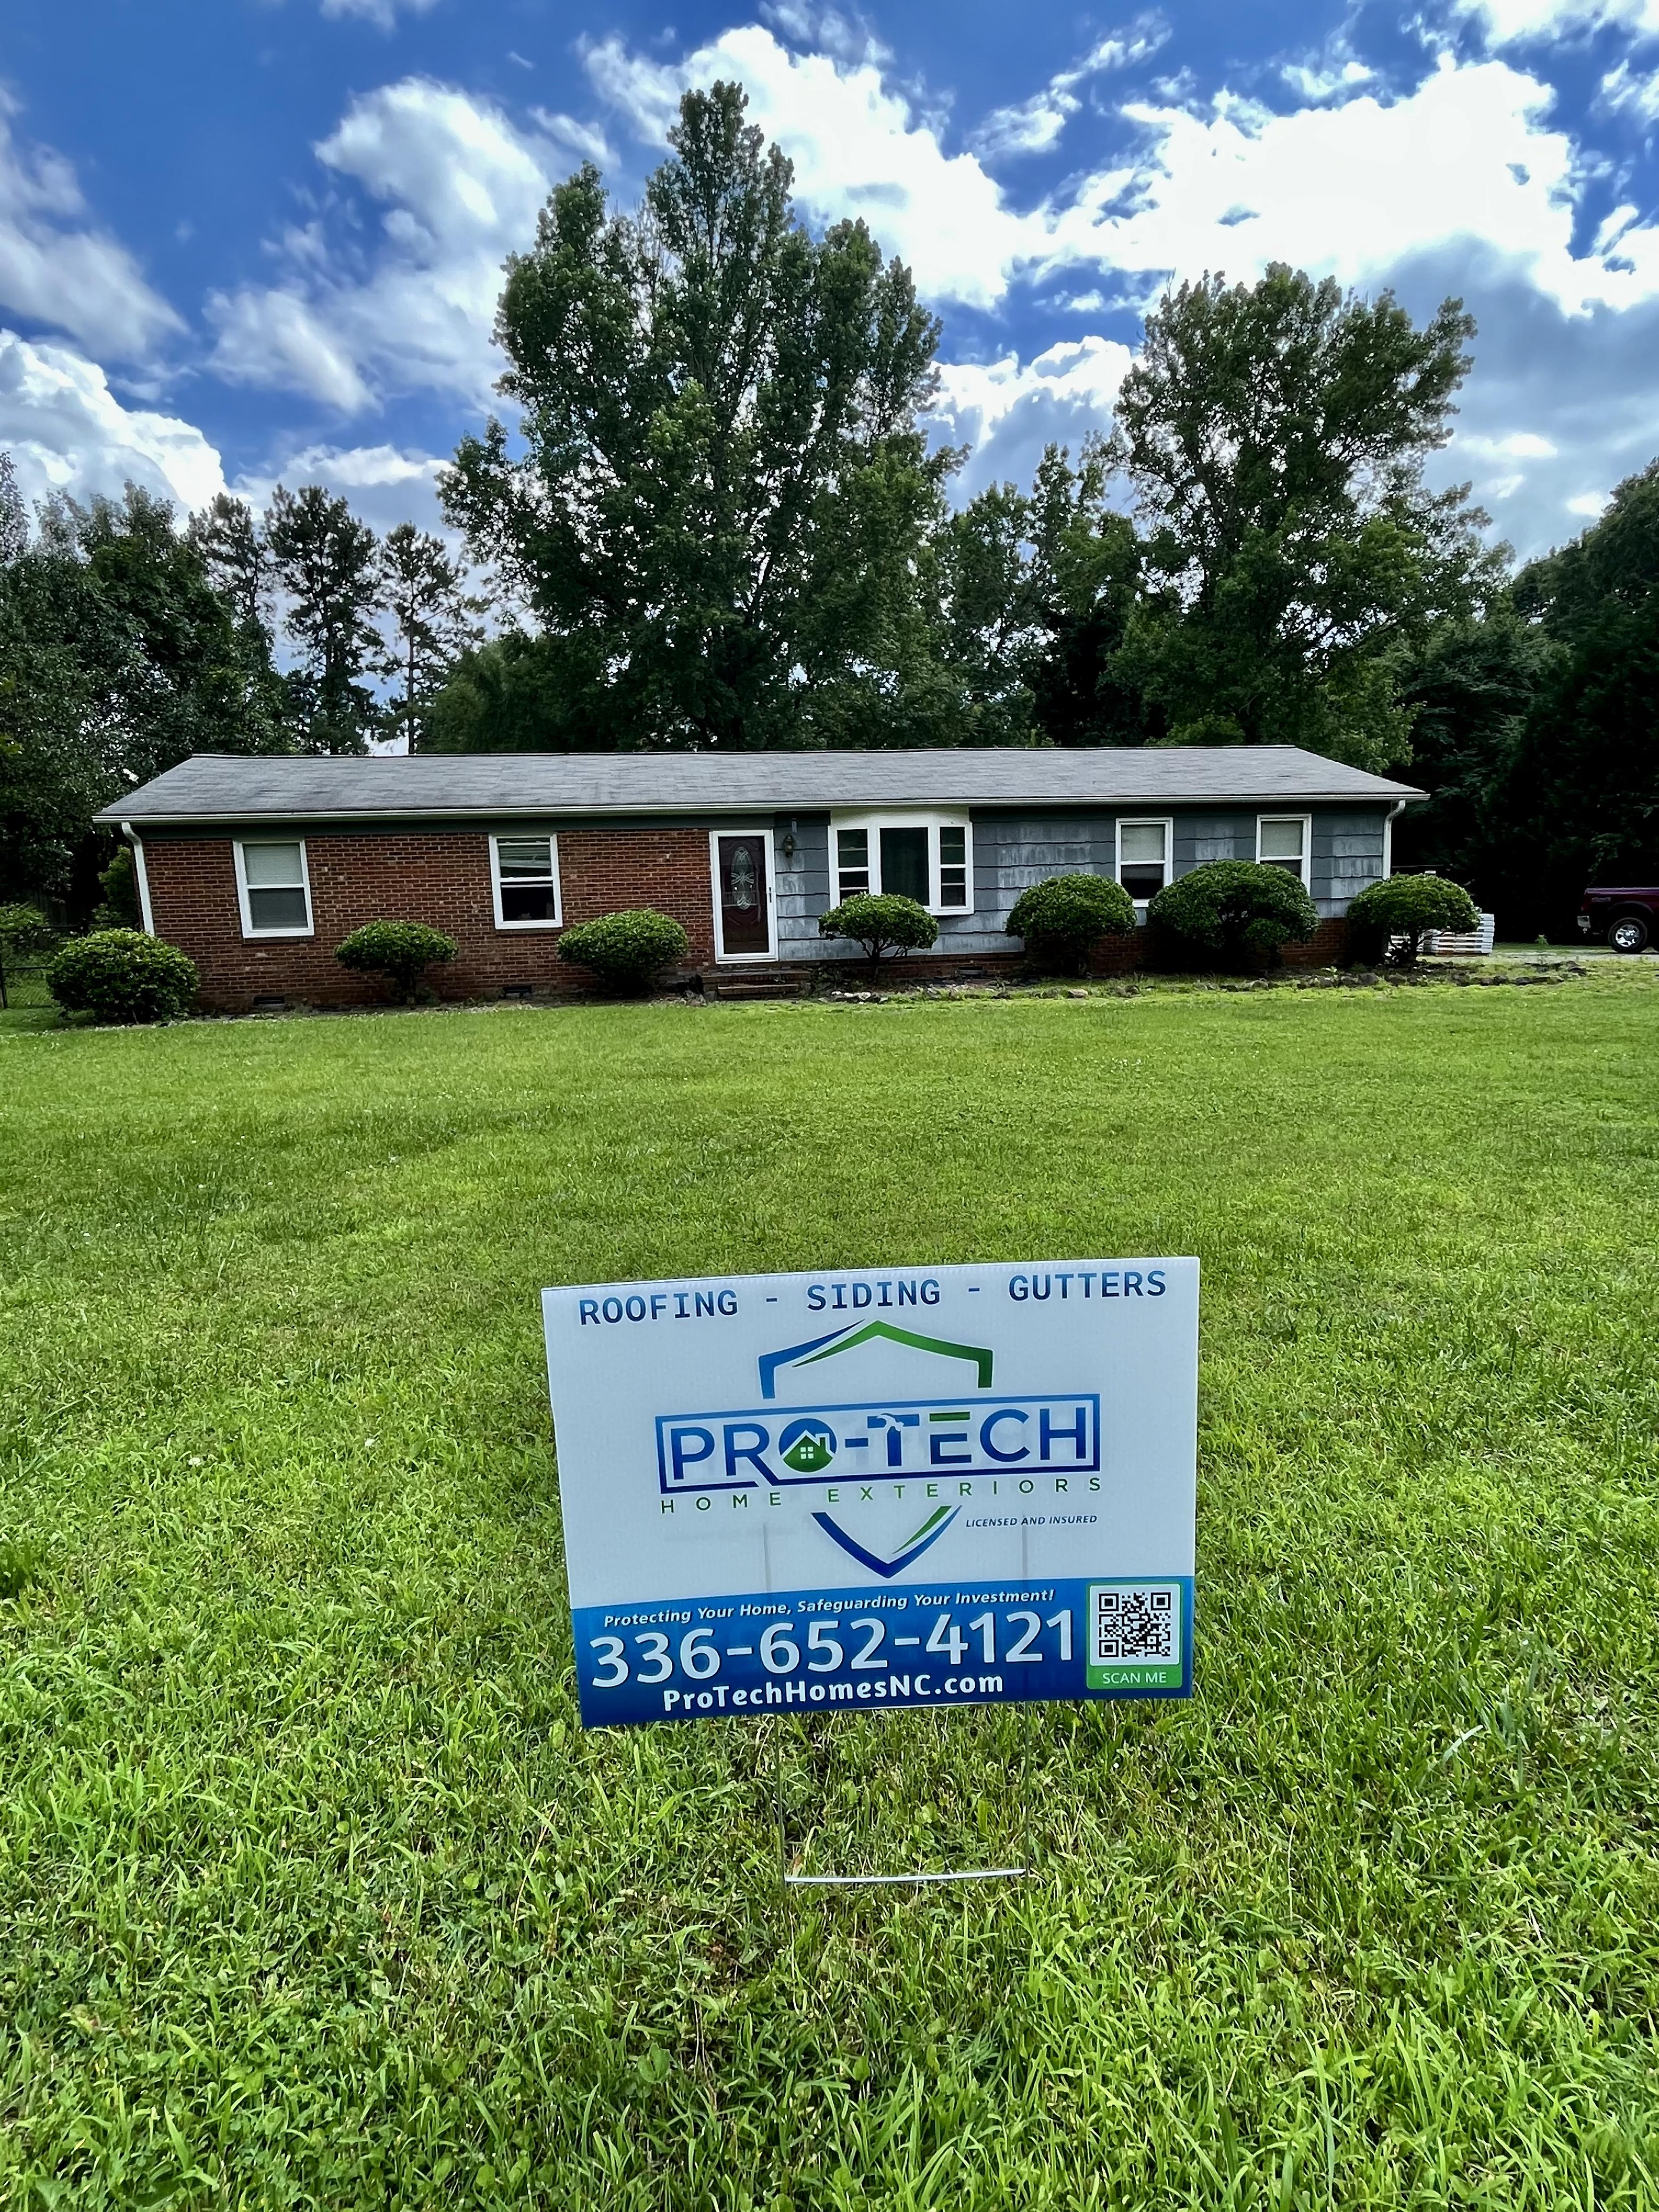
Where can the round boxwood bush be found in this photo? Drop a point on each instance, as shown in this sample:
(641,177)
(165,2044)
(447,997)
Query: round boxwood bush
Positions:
(401,951)
(881,921)
(1239,910)
(1064,919)
(122,975)
(1390,920)
(627,951)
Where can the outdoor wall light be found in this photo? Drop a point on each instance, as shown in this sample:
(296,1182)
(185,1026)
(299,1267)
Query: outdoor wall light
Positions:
(788,847)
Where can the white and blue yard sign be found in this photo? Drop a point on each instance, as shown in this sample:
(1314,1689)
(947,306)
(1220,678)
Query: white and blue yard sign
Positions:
(912,1487)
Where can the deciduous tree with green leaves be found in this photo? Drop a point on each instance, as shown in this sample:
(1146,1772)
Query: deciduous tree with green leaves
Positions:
(1274,435)
(720,515)
(1038,587)
(118,658)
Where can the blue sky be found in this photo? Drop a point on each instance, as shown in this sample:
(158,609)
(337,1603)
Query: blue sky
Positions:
(243,241)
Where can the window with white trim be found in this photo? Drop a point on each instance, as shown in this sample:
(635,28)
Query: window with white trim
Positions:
(273,886)
(1143,857)
(926,858)
(524,871)
(1282,842)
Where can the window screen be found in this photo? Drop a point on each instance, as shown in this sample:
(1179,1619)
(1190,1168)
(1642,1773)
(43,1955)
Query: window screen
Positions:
(1143,853)
(274,876)
(527,880)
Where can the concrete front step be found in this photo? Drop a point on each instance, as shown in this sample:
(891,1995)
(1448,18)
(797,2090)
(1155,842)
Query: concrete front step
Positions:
(756,987)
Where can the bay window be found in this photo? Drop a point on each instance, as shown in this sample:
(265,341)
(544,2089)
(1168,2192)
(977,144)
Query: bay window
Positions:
(926,858)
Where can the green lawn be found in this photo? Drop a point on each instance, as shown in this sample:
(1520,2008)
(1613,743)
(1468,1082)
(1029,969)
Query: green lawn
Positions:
(312,1892)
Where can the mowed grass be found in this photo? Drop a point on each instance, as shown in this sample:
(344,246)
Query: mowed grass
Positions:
(313,1892)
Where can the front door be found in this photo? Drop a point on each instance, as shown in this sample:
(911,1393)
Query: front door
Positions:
(744,895)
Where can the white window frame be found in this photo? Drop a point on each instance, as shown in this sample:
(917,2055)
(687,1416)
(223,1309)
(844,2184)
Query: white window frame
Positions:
(744,830)
(240,845)
(512,835)
(1164,822)
(1306,820)
(906,819)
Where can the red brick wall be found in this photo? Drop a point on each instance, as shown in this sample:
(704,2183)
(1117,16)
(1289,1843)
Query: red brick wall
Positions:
(1118,956)
(441,878)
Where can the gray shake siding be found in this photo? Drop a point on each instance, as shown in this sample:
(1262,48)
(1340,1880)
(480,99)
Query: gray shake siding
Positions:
(1348,852)
(1012,851)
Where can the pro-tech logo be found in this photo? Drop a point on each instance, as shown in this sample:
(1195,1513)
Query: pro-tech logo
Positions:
(871,1450)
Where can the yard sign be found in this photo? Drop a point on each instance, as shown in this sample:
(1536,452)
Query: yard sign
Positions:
(928,1487)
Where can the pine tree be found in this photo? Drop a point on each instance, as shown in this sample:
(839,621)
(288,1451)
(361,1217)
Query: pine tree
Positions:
(327,565)
(423,590)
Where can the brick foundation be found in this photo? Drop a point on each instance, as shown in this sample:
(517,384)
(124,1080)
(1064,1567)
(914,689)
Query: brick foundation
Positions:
(440,878)
(1153,949)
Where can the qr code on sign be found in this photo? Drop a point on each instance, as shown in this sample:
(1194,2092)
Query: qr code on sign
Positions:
(1135,1621)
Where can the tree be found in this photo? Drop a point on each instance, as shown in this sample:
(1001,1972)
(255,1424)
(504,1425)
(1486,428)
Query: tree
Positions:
(1274,436)
(14,515)
(327,564)
(1038,587)
(720,520)
(504,696)
(118,658)
(236,558)
(1469,688)
(422,589)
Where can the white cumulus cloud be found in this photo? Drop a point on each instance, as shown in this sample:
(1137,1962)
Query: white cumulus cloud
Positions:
(859,150)
(460,188)
(1516,22)
(384,484)
(57,265)
(68,432)
(1628,92)
(1466,158)
(1032,125)
(1007,411)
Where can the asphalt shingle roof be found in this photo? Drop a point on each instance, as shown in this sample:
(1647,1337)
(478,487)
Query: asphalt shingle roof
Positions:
(213,788)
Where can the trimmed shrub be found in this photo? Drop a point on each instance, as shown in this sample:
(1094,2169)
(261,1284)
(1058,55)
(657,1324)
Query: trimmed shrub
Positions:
(881,921)
(1064,919)
(1240,910)
(25,933)
(1407,908)
(401,951)
(627,951)
(122,975)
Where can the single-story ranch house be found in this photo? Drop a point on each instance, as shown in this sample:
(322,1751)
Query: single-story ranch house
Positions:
(258,866)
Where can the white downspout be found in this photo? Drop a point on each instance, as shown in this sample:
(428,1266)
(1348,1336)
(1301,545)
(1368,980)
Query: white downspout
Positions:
(140,876)
(1389,820)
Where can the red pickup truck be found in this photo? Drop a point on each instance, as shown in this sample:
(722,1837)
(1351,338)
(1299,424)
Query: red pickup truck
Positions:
(1626,914)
